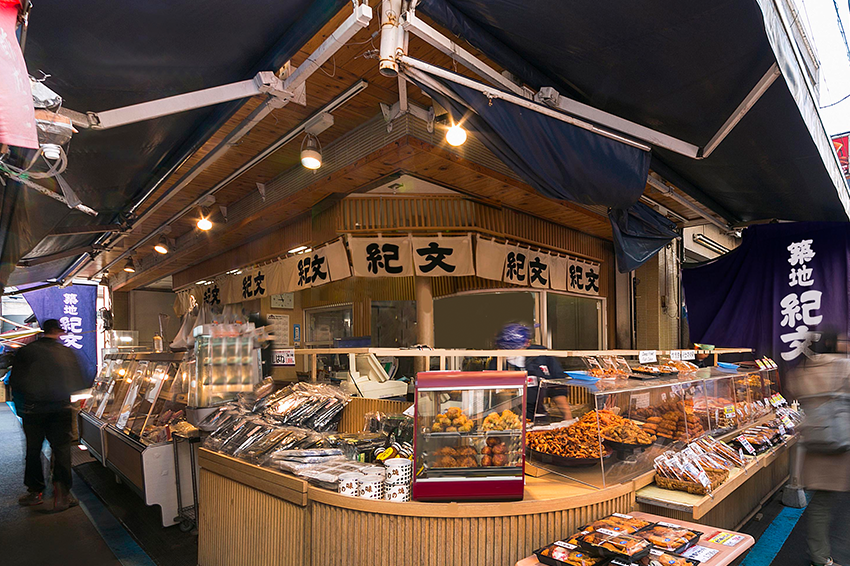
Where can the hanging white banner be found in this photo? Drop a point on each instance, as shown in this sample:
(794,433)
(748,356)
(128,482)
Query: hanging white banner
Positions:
(539,272)
(489,259)
(435,256)
(583,277)
(558,268)
(380,257)
(516,266)
(337,260)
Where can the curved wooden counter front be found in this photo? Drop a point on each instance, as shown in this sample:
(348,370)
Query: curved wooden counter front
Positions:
(253,515)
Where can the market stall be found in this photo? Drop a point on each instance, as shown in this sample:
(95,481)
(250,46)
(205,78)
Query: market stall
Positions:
(308,515)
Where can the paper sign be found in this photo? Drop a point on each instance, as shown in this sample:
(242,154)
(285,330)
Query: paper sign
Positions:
(296,333)
(409,411)
(676,355)
(689,355)
(726,539)
(283,357)
(746,444)
(700,553)
(641,400)
(648,356)
(280,328)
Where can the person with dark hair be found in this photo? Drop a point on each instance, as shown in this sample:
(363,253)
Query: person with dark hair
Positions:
(518,337)
(816,381)
(44,374)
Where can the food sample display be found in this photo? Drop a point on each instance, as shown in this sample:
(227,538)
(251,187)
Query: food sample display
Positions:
(611,544)
(682,366)
(669,537)
(579,441)
(562,553)
(470,436)
(618,523)
(655,370)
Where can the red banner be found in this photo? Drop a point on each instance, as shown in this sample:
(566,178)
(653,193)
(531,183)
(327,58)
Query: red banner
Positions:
(841,144)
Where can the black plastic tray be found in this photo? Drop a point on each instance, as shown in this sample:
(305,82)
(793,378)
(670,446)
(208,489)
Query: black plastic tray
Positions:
(549,561)
(566,462)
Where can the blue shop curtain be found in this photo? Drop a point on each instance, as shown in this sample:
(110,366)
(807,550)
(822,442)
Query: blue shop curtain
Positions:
(562,161)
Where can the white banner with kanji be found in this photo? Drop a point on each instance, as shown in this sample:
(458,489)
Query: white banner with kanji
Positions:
(436,256)
(381,257)
(516,266)
(539,272)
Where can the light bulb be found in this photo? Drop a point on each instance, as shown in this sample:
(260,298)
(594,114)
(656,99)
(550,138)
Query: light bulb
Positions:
(130,267)
(456,135)
(311,159)
(161,246)
(204,224)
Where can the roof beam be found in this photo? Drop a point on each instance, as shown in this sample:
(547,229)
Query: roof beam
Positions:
(97,229)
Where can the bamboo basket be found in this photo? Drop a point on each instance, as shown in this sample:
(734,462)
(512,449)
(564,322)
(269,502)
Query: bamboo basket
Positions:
(716,476)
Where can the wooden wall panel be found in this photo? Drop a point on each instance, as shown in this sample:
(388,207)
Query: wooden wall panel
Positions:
(241,525)
(346,537)
(354,414)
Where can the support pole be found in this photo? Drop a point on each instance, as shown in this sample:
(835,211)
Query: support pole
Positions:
(424,318)
(391,37)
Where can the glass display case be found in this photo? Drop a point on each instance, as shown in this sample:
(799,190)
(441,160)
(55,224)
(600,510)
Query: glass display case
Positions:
(227,362)
(621,428)
(470,436)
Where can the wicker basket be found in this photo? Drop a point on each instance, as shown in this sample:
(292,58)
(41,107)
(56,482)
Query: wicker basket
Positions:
(716,476)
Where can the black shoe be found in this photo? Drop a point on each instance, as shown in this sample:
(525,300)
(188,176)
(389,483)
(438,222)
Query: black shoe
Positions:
(31,498)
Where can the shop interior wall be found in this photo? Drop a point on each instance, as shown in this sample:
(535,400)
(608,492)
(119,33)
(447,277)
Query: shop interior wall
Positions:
(143,310)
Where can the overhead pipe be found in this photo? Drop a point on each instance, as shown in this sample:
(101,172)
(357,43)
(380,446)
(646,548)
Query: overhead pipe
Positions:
(392,37)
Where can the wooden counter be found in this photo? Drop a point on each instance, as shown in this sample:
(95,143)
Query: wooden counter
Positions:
(258,516)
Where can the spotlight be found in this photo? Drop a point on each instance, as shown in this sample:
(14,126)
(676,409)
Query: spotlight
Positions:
(311,152)
(456,135)
(204,222)
(130,267)
(162,246)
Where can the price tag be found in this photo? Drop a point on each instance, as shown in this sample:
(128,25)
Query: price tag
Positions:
(283,357)
(676,355)
(688,355)
(746,444)
(700,553)
(648,356)
(782,400)
(409,411)
(729,411)
(760,364)
(641,400)
(787,422)
(566,545)
(782,430)
(663,397)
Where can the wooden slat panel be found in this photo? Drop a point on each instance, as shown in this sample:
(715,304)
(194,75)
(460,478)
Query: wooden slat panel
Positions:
(354,414)
(241,525)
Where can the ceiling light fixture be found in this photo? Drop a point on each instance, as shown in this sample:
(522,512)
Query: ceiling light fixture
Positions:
(311,152)
(130,267)
(707,242)
(204,222)
(162,246)
(456,135)
(297,249)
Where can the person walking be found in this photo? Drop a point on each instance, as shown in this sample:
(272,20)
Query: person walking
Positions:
(44,374)
(814,383)
(516,336)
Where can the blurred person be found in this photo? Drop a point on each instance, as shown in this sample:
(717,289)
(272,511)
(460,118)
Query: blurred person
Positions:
(518,337)
(44,374)
(826,372)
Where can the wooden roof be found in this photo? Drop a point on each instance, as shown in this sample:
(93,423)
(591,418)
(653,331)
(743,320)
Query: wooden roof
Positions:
(432,161)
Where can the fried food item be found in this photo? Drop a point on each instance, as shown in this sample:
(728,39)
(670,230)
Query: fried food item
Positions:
(579,440)
(467,450)
(500,448)
(486,461)
(668,537)
(453,420)
(508,420)
(618,523)
(447,451)
(628,433)
(447,462)
(627,545)
(500,460)
(467,462)
(568,554)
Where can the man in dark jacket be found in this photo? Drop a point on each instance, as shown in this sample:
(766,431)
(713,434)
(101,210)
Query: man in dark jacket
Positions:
(44,374)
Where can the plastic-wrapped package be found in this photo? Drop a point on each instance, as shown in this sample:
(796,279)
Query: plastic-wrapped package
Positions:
(262,447)
(308,453)
(311,405)
(224,433)
(219,418)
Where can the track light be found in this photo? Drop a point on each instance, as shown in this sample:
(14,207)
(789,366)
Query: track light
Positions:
(161,246)
(456,135)
(204,222)
(130,267)
(311,152)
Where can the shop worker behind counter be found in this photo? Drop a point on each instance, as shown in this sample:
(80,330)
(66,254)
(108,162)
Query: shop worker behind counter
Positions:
(518,337)
(44,374)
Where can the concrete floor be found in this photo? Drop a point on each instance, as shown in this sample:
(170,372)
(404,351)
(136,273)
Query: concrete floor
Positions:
(34,535)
